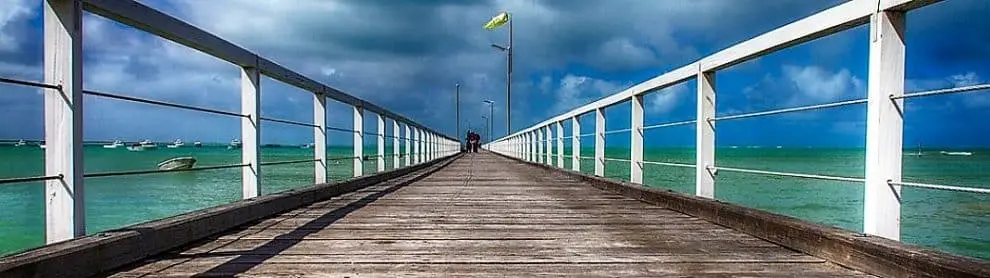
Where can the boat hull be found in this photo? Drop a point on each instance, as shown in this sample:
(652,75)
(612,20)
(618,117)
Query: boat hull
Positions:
(178,163)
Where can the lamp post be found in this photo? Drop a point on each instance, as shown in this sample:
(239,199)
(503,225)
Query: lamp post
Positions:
(508,78)
(457,113)
(491,111)
(486,125)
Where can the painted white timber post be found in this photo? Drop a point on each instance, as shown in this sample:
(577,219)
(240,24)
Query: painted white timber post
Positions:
(408,150)
(600,142)
(575,144)
(705,135)
(636,138)
(320,137)
(420,138)
(250,125)
(381,143)
(534,147)
(549,143)
(395,144)
(358,141)
(65,213)
(560,145)
(884,125)
(539,145)
(415,147)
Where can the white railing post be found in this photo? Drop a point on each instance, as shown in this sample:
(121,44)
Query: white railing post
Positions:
(533,147)
(320,137)
(705,135)
(884,125)
(415,147)
(636,138)
(420,147)
(549,144)
(381,143)
(250,149)
(358,141)
(539,145)
(600,142)
(65,214)
(560,145)
(408,150)
(395,144)
(575,144)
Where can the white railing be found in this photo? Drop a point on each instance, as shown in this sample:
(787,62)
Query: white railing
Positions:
(884,136)
(64,178)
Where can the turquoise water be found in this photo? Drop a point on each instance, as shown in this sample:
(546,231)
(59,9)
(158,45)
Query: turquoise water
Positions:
(950,221)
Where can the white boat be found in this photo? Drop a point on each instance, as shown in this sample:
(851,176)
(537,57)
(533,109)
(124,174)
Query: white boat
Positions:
(176,144)
(307,146)
(114,145)
(147,144)
(234,144)
(41,145)
(178,163)
(197,144)
(20,143)
(956,153)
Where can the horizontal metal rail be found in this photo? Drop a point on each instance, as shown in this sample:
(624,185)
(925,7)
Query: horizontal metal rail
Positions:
(143,172)
(618,131)
(942,187)
(787,174)
(616,159)
(669,124)
(792,109)
(162,103)
(669,164)
(287,162)
(288,122)
(341,158)
(341,129)
(29,179)
(29,83)
(955,90)
(587,157)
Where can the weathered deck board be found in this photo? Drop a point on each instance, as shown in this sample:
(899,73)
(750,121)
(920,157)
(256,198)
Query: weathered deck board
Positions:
(484,216)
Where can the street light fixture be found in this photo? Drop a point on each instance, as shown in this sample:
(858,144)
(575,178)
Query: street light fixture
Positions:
(508,78)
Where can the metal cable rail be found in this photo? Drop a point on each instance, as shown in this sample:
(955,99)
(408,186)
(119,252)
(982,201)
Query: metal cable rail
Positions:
(616,159)
(287,162)
(162,103)
(28,179)
(788,174)
(669,124)
(29,83)
(288,122)
(789,110)
(341,129)
(942,187)
(618,131)
(674,164)
(955,90)
(586,134)
(142,172)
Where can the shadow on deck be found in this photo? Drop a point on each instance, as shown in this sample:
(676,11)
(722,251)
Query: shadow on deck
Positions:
(484,215)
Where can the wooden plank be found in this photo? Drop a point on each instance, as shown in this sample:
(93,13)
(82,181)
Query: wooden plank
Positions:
(870,254)
(454,230)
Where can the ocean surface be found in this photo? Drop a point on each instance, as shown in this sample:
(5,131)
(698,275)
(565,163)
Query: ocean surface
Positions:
(955,222)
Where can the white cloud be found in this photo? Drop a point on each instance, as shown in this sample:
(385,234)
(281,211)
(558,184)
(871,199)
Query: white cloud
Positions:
(819,84)
(575,90)
(665,100)
(13,10)
(967,79)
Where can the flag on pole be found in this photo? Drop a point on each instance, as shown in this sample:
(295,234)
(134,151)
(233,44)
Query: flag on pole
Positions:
(497,21)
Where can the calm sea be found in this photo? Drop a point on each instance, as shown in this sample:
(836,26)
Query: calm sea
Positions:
(950,221)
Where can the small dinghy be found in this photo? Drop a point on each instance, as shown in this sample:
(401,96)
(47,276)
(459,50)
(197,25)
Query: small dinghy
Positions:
(178,163)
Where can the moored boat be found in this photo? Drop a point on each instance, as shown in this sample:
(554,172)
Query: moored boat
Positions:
(176,144)
(114,145)
(177,163)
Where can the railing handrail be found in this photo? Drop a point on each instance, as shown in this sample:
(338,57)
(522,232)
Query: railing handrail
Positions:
(150,20)
(829,21)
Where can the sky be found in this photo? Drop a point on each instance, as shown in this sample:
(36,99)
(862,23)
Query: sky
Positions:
(406,56)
